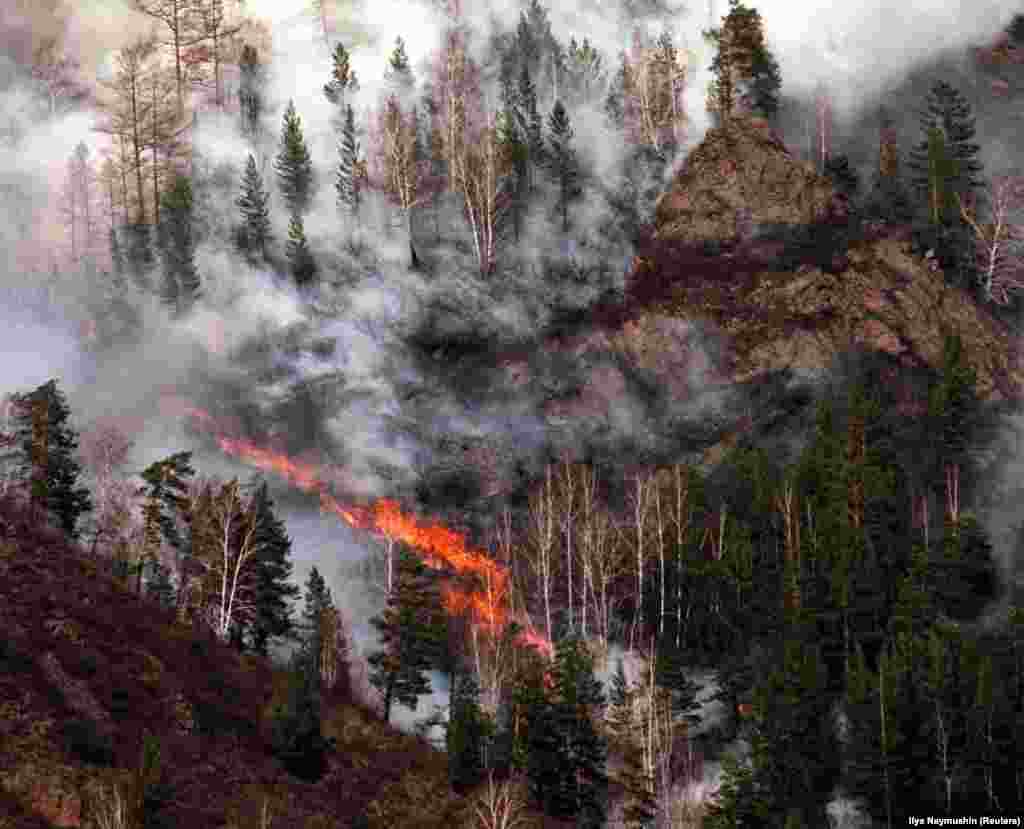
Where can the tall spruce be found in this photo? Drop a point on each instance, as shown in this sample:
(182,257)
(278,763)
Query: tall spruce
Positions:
(297,725)
(50,465)
(562,161)
(166,507)
(343,77)
(945,169)
(530,123)
(253,204)
(347,183)
(273,590)
(318,604)
(181,286)
(300,258)
(409,635)
(294,165)
(467,734)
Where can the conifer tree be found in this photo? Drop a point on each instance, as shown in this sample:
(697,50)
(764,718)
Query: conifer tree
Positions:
(745,71)
(467,734)
(640,806)
(562,161)
(50,445)
(409,633)
(293,164)
(398,74)
(945,167)
(517,156)
(300,259)
(297,727)
(888,200)
(273,590)
(343,77)
(253,204)
(250,90)
(165,506)
(530,123)
(177,245)
(347,183)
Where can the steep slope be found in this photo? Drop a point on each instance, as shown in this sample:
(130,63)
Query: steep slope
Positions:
(86,668)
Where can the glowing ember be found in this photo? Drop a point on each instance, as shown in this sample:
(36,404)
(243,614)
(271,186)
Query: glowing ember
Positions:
(484,601)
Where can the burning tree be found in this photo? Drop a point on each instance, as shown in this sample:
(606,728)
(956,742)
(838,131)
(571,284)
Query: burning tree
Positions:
(998,243)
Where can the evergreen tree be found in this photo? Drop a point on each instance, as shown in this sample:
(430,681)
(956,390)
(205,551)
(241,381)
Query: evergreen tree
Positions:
(745,71)
(530,123)
(343,77)
(408,629)
(178,248)
(165,506)
(670,674)
(297,730)
(615,100)
(844,177)
(159,585)
(517,155)
(318,604)
(398,75)
(562,161)
(1015,29)
(296,249)
(737,803)
(347,184)
(945,168)
(50,444)
(293,164)
(253,204)
(250,90)
(579,786)
(116,258)
(273,590)
(467,734)
(888,199)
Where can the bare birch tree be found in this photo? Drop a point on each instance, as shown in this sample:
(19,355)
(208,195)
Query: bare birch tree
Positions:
(999,245)
(567,486)
(543,540)
(55,71)
(500,805)
(78,207)
(640,503)
(403,170)
(479,172)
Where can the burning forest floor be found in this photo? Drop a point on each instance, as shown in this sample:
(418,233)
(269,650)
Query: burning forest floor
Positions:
(87,668)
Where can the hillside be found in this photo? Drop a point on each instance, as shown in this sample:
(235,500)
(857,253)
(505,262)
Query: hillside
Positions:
(86,668)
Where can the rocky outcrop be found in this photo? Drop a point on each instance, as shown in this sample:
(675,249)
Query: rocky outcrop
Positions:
(739,180)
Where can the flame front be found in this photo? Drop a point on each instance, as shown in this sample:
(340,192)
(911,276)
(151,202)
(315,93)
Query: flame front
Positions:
(484,600)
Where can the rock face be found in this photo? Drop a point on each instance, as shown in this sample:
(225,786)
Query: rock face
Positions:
(870,292)
(738,179)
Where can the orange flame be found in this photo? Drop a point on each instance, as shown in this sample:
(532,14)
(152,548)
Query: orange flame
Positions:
(484,601)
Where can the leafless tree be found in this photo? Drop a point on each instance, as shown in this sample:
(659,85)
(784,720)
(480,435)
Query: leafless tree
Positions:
(567,486)
(404,172)
(543,540)
(55,71)
(500,805)
(181,20)
(77,207)
(641,500)
(105,450)
(999,245)
(216,28)
(128,114)
(479,172)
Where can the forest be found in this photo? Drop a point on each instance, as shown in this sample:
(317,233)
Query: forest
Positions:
(288,303)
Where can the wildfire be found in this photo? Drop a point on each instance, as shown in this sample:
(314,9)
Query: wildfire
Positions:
(484,599)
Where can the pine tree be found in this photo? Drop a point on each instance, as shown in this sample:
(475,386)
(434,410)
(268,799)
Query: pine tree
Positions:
(250,90)
(409,637)
(273,590)
(116,258)
(296,249)
(844,177)
(1015,28)
(670,674)
(737,802)
(944,168)
(562,161)
(50,445)
(639,805)
(297,729)
(745,70)
(319,616)
(343,77)
(517,157)
(398,75)
(293,164)
(159,585)
(530,123)
(467,734)
(579,699)
(253,204)
(165,506)
(347,184)
(888,200)
(181,279)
